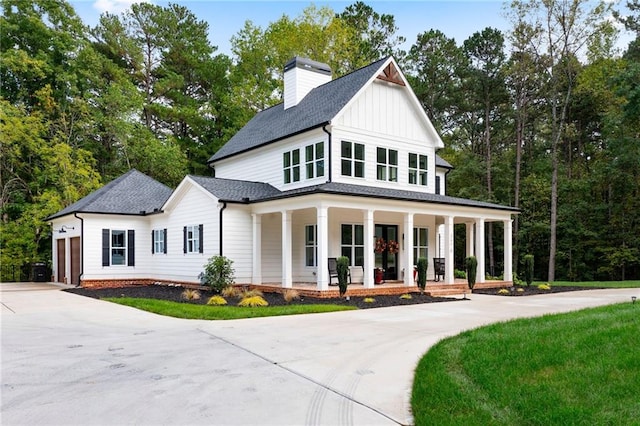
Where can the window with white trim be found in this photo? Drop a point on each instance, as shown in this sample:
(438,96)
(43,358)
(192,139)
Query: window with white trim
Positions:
(311,245)
(291,166)
(352,163)
(387,164)
(118,247)
(193,239)
(352,243)
(314,160)
(417,169)
(420,243)
(159,241)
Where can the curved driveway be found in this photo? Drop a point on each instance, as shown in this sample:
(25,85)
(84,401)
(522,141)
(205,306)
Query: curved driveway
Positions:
(68,359)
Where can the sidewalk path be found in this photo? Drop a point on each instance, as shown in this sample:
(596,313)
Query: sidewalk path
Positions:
(67,359)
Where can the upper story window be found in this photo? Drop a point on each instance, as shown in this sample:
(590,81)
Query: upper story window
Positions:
(352,159)
(314,160)
(291,166)
(417,169)
(387,168)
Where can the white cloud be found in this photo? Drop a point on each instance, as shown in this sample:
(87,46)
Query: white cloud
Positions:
(114,6)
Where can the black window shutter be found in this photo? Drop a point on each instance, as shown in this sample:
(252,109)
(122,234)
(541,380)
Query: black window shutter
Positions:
(131,247)
(165,240)
(153,242)
(184,239)
(105,247)
(200,233)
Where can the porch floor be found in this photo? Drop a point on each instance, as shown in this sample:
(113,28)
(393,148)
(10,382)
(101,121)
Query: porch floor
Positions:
(433,288)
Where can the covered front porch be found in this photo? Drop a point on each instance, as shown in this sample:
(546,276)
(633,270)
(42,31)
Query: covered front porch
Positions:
(293,240)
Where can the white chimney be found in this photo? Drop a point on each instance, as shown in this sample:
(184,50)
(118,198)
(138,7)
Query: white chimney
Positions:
(302,75)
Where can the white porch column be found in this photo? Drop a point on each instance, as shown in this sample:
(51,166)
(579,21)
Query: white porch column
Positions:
(480,249)
(287,281)
(508,250)
(322,241)
(448,250)
(369,257)
(408,249)
(470,239)
(256,273)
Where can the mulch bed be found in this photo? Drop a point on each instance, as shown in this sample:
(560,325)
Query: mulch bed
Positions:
(174,293)
(529,291)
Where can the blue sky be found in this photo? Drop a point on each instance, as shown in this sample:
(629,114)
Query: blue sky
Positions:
(458,18)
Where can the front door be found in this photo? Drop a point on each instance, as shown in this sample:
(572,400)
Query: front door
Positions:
(387,247)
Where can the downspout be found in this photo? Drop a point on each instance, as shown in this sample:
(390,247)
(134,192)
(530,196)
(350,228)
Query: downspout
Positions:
(81,248)
(224,206)
(324,129)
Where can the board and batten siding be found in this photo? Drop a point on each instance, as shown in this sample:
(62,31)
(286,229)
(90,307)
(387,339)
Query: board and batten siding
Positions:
(194,206)
(264,164)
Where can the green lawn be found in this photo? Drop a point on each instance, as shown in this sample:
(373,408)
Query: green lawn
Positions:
(580,368)
(190,311)
(606,284)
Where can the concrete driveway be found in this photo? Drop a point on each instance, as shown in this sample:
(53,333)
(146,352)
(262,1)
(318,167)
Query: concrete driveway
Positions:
(67,359)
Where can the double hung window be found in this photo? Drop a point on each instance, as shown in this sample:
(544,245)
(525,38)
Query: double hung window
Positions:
(420,243)
(417,169)
(352,163)
(314,160)
(352,243)
(291,166)
(387,164)
(311,245)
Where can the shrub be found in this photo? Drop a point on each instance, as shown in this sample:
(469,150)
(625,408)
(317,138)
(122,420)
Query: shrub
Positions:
(517,280)
(368,300)
(247,292)
(290,295)
(190,294)
(253,301)
(528,269)
(459,274)
(503,291)
(405,296)
(471,265)
(544,286)
(229,291)
(423,265)
(342,268)
(216,301)
(218,273)
(520,290)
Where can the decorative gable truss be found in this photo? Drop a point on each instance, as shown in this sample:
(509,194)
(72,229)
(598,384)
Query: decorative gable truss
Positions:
(391,74)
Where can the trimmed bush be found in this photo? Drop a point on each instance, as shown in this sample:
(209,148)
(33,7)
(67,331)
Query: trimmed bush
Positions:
(544,287)
(253,301)
(218,273)
(528,269)
(216,301)
(471,265)
(291,295)
(503,291)
(423,265)
(229,291)
(459,274)
(406,296)
(368,300)
(342,268)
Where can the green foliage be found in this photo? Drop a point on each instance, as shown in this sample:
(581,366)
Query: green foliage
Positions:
(253,301)
(406,296)
(459,274)
(544,286)
(423,265)
(369,300)
(218,273)
(471,265)
(503,292)
(528,269)
(342,267)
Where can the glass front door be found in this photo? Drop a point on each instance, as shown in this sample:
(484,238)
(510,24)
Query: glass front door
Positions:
(386,250)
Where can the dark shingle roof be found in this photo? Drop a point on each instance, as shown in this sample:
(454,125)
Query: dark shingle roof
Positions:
(131,193)
(386,193)
(319,107)
(441,162)
(235,190)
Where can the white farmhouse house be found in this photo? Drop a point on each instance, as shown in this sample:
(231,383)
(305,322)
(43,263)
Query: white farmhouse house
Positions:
(341,167)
